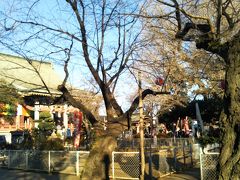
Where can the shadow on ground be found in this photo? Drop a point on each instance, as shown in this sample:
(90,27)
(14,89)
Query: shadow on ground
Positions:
(10,174)
(190,174)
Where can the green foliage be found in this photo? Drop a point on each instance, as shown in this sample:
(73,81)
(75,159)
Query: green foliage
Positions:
(39,138)
(210,109)
(45,115)
(208,139)
(46,124)
(53,144)
(43,132)
(9,94)
(45,142)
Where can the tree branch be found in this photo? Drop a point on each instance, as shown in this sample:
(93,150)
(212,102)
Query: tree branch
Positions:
(135,103)
(227,16)
(77,104)
(66,64)
(178,15)
(80,20)
(219,16)
(50,28)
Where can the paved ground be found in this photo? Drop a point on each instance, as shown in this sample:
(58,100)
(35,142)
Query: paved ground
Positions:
(6,174)
(191,174)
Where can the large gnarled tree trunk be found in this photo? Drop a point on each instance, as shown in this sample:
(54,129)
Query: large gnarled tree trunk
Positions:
(229,161)
(229,49)
(97,165)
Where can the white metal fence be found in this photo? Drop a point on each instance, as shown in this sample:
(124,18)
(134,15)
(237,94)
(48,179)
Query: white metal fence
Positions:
(158,143)
(69,162)
(208,161)
(126,165)
(208,165)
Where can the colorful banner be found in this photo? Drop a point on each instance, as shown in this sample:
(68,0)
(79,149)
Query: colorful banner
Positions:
(10,110)
(186,126)
(25,111)
(7,110)
(78,123)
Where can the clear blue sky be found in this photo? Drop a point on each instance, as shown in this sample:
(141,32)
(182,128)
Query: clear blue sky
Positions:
(57,14)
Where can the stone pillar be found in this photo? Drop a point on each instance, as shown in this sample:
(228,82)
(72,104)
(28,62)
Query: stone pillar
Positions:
(18,117)
(36,110)
(36,113)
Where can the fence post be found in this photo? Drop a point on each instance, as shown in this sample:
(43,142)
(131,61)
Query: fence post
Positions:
(201,168)
(150,162)
(184,160)
(26,160)
(113,165)
(175,158)
(77,163)
(191,154)
(159,162)
(9,160)
(49,161)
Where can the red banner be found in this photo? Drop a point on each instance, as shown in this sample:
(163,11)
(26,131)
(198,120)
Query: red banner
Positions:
(78,116)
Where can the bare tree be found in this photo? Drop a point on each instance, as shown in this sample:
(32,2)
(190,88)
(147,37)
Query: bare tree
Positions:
(214,27)
(97,34)
(183,68)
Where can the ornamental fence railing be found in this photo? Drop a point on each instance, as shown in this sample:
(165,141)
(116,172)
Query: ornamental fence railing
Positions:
(68,162)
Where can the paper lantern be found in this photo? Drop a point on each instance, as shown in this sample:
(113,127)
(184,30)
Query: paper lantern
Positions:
(159,81)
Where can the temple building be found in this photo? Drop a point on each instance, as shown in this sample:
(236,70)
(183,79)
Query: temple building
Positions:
(37,82)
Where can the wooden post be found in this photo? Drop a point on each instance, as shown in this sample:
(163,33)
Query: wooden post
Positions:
(77,163)
(49,161)
(26,160)
(141,127)
(9,160)
(113,172)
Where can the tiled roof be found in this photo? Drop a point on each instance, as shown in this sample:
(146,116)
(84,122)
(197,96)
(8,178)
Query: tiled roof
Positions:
(24,76)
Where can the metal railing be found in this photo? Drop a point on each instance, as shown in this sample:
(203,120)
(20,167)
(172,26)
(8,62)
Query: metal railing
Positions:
(208,165)
(126,165)
(157,143)
(68,162)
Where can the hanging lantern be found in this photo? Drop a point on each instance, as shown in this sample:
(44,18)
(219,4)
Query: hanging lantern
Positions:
(159,81)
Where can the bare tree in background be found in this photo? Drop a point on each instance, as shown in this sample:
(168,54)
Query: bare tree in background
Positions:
(184,69)
(212,26)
